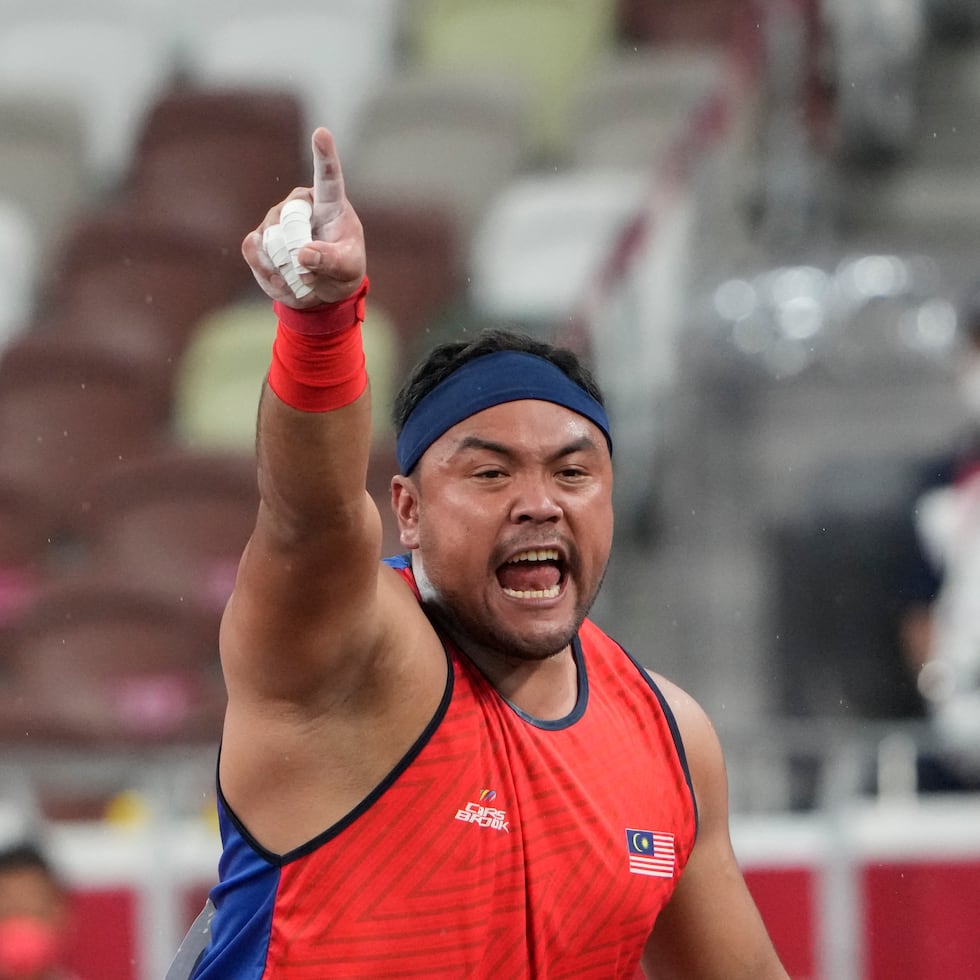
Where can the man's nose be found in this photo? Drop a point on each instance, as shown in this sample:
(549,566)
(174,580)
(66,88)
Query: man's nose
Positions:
(536,501)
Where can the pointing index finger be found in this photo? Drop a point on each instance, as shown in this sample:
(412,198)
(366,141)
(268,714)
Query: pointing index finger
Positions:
(328,179)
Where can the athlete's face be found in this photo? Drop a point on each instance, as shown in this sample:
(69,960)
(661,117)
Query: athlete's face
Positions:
(510,517)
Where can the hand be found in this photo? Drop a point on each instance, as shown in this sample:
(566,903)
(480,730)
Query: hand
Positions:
(335,257)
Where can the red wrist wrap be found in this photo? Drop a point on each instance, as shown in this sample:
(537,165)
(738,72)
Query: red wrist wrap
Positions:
(317,357)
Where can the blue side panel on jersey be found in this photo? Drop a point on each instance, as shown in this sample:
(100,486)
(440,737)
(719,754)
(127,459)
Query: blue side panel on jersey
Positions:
(244,901)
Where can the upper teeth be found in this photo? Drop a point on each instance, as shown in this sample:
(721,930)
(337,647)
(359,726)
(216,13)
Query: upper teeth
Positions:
(540,554)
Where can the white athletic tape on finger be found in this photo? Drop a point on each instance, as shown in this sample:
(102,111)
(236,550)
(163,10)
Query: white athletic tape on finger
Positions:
(274,243)
(299,288)
(292,278)
(295,218)
(297,233)
(294,243)
(296,208)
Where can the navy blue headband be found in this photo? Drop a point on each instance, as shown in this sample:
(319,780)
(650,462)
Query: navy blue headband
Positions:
(492,379)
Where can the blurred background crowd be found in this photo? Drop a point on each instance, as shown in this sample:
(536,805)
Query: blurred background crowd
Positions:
(756,218)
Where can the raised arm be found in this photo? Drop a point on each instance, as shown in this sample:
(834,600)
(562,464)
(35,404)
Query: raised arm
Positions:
(331,668)
(710,928)
(307,581)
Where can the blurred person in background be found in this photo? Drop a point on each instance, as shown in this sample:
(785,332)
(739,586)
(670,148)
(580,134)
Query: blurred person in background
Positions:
(437,765)
(940,602)
(34,916)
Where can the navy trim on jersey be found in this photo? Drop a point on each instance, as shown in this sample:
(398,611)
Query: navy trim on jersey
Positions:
(672,724)
(278,860)
(581,698)
(250,876)
(582,681)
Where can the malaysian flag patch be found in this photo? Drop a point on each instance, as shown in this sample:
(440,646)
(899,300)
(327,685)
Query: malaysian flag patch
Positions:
(650,853)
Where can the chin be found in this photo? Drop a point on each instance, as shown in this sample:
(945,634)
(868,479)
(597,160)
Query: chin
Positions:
(532,644)
(504,638)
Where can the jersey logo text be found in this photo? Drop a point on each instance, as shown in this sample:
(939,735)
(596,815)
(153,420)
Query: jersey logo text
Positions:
(483,815)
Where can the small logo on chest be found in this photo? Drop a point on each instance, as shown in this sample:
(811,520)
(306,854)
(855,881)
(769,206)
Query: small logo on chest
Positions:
(482,814)
(650,853)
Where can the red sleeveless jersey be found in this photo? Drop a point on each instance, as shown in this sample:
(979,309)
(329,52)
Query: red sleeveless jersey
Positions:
(500,846)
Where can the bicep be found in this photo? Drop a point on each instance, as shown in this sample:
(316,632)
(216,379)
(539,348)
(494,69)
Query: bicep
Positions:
(711,928)
(302,611)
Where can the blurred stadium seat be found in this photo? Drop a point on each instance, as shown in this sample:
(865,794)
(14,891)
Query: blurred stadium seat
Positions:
(19,263)
(102,665)
(678,21)
(171,523)
(26,529)
(212,161)
(220,375)
(544,46)
(444,140)
(635,107)
(334,59)
(416,266)
(545,238)
(122,283)
(42,140)
(64,413)
(112,65)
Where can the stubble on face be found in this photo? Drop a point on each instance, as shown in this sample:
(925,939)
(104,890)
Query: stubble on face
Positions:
(483,634)
(549,488)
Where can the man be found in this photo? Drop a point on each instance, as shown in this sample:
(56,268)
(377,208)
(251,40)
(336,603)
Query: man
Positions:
(939,604)
(437,766)
(34,916)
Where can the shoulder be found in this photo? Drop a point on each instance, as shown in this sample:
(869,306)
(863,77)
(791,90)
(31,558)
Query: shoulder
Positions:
(702,747)
(686,709)
(691,718)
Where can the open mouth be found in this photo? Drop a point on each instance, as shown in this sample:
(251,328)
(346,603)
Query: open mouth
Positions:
(536,573)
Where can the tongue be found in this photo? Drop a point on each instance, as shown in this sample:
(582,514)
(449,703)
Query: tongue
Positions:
(528,576)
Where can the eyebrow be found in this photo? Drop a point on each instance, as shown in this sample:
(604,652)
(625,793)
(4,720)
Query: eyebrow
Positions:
(582,443)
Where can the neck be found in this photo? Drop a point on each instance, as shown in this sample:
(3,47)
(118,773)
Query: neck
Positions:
(543,686)
(546,689)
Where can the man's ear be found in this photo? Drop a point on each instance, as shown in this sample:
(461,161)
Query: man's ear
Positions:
(405,504)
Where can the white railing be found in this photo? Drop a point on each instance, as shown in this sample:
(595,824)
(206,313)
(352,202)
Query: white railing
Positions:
(862,817)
